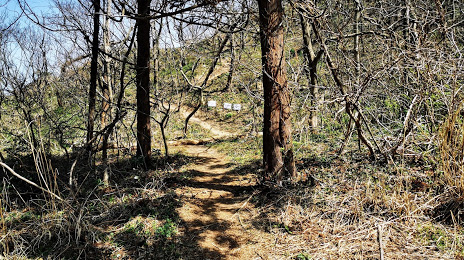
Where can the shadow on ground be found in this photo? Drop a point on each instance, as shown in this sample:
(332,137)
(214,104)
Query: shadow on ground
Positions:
(136,218)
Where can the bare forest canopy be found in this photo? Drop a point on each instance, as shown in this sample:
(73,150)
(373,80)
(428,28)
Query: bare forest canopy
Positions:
(86,86)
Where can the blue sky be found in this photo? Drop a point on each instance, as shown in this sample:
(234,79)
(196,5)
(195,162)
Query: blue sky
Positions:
(38,6)
(12,10)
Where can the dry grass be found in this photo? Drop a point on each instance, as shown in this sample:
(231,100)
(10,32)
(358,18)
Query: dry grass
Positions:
(451,140)
(337,219)
(340,218)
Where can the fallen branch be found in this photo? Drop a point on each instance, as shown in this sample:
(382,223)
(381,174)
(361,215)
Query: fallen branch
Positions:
(28,181)
(379,239)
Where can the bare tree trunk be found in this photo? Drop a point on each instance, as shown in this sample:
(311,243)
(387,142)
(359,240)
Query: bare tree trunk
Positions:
(357,54)
(406,22)
(156,55)
(107,80)
(187,119)
(163,123)
(277,139)
(166,114)
(106,174)
(232,65)
(311,70)
(143,82)
(93,72)
(357,59)
(106,90)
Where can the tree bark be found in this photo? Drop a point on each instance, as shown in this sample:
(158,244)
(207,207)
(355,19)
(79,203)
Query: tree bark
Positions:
(277,139)
(143,82)
(93,71)
(106,91)
(311,70)
(156,57)
(107,80)
(232,65)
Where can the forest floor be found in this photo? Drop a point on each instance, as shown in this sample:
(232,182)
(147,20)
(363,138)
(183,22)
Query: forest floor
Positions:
(216,208)
(203,202)
(225,216)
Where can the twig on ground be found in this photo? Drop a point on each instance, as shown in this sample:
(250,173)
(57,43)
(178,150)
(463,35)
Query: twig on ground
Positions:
(241,223)
(28,181)
(379,239)
(244,203)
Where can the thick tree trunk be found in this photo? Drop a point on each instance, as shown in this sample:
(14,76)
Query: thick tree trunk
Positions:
(277,143)
(143,83)
(93,72)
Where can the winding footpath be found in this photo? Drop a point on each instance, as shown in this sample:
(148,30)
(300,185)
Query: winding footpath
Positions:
(216,214)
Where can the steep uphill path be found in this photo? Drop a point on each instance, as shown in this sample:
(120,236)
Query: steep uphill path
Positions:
(216,213)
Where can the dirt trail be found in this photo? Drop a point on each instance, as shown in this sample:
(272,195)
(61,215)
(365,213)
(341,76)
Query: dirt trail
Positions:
(216,222)
(214,131)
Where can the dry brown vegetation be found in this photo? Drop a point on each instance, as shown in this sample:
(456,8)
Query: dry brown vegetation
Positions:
(200,206)
(378,134)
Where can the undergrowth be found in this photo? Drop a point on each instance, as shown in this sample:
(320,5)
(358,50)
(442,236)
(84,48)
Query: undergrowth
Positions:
(338,215)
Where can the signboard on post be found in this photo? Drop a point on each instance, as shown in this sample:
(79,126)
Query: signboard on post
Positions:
(237,107)
(227,106)
(212,103)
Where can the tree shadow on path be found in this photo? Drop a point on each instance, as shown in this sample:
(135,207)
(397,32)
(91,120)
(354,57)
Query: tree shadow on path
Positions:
(213,192)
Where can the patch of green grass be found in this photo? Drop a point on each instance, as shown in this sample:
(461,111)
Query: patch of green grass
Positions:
(241,150)
(15,217)
(111,199)
(319,137)
(195,131)
(12,216)
(303,256)
(134,226)
(228,115)
(440,237)
(168,230)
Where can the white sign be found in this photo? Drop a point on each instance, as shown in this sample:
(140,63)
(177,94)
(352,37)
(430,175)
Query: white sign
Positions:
(227,106)
(212,103)
(237,107)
